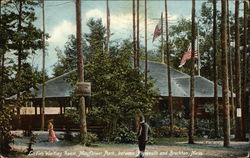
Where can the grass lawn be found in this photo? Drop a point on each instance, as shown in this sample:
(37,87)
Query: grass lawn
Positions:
(158,141)
(173,140)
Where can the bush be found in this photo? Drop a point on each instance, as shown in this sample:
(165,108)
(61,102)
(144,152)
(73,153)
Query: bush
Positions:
(205,127)
(123,134)
(88,139)
(68,135)
(73,115)
(164,131)
(5,135)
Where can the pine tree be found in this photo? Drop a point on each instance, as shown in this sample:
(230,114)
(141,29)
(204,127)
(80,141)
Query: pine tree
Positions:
(244,77)
(226,122)
(23,39)
(238,134)
(216,106)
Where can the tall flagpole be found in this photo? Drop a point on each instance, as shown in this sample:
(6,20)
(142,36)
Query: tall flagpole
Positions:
(146,45)
(43,85)
(138,34)
(134,38)
(192,101)
(108,26)
(170,101)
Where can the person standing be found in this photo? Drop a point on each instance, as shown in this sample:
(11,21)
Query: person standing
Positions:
(52,135)
(142,136)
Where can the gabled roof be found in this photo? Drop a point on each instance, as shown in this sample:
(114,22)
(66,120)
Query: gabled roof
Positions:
(56,87)
(180,82)
(59,87)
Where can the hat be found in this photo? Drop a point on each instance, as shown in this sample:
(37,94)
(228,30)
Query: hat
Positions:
(51,120)
(142,119)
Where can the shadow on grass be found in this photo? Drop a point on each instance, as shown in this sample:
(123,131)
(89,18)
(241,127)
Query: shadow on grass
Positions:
(202,143)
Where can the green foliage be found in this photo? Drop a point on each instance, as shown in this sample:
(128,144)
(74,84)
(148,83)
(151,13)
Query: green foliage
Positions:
(88,139)
(96,37)
(25,35)
(123,134)
(20,38)
(118,90)
(164,131)
(73,115)
(116,87)
(5,127)
(205,126)
(68,57)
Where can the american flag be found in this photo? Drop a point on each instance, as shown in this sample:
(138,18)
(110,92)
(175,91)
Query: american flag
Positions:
(157,31)
(187,56)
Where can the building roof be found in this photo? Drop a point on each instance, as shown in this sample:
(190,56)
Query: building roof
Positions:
(58,87)
(180,82)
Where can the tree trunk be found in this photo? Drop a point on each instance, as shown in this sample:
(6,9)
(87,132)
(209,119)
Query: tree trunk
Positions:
(238,134)
(43,85)
(248,75)
(2,79)
(226,122)
(19,64)
(230,66)
(244,79)
(169,75)
(146,45)
(1,61)
(216,106)
(80,70)
(192,102)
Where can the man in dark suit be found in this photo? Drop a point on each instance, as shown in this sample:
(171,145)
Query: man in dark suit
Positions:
(142,136)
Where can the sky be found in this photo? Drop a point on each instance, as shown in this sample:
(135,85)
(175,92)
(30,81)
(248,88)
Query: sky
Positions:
(60,21)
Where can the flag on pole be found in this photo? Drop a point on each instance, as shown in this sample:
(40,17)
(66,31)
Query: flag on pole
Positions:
(158,30)
(187,56)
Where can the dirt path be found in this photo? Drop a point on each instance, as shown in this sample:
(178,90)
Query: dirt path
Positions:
(206,149)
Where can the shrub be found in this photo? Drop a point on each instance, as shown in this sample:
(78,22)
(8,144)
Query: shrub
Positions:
(5,135)
(164,131)
(68,135)
(123,134)
(205,127)
(159,132)
(73,115)
(88,139)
